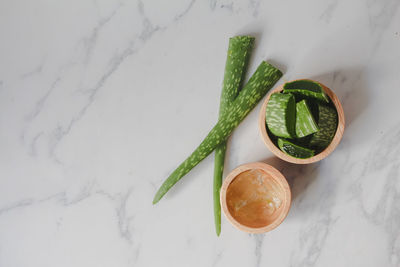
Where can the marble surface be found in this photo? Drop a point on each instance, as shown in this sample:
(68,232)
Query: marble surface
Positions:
(101,100)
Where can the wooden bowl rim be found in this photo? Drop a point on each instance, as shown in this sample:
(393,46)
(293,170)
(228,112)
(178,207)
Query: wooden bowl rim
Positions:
(275,174)
(323,154)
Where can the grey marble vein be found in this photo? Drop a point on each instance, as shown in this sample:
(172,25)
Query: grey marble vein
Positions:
(380,17)
(384,157)
(314,233)
(213,4)
(123,220)
(255,5)
(185,11)
(33,145)
(217,259)
(42,100)
(17,205)
(35,71)
(90,41)
(148,30)
(228,7)
(259,240)
(329,11)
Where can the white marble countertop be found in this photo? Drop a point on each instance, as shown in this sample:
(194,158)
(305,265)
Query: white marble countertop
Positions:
(101,100)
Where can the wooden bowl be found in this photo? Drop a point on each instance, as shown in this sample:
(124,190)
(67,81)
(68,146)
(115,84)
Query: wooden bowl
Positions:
(323,154)
(234,188)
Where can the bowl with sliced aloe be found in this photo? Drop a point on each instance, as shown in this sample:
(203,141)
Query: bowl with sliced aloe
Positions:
(302,121)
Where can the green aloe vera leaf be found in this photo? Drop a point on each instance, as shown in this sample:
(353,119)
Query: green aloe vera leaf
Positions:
(259,84)
(294,150)
(239,50)
(327,123)
(305,123)
(306,88)
(280,115)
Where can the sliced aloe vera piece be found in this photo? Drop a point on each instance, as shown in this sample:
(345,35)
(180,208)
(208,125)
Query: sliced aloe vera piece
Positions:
(327,124)
(305,122)
(280,115)
(306,88)
(294,150)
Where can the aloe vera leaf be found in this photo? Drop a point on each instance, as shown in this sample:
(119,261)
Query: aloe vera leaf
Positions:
(327,123)
(239,51)
(259,84)
(306,88)
(280,115)
(294,150)
(305,123)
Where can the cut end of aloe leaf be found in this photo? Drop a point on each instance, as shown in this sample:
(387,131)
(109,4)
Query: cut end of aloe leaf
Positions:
(243,38)
(294,150)
(305,122)
(306,88)
(280,115)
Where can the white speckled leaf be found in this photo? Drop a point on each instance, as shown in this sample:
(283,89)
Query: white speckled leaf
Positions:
(328,124)
(294,150)
(305,122)
(280,115)
(306,88)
